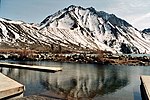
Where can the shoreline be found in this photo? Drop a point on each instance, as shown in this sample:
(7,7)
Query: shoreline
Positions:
(104,59)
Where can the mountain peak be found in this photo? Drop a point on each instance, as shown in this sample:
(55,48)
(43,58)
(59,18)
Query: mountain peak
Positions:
(79,14)
(73,7)
(104,30)
(81,8)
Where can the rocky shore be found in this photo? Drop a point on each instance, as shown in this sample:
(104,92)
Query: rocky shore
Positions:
(106,58)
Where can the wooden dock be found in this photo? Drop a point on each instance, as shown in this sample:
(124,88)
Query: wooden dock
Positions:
(10,88)
(145,87)
(32,67)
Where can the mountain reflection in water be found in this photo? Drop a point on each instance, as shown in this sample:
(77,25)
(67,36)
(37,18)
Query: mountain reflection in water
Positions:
(75,81)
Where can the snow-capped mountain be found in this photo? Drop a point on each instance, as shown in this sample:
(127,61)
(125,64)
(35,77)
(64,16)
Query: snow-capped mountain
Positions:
(16,34)
(106,31)
(77,28)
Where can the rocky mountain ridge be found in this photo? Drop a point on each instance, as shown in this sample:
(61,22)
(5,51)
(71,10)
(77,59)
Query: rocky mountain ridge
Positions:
(146,30)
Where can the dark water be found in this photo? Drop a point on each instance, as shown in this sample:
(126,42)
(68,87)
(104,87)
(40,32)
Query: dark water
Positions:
(82,80)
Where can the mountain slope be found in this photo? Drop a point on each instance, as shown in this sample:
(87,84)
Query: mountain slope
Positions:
(146,33)
(75,28)
(12,33)
(106,31)
(17,34)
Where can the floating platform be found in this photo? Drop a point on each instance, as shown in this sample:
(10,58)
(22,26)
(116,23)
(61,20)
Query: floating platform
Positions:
(32,67)
(10,88)
(145,87)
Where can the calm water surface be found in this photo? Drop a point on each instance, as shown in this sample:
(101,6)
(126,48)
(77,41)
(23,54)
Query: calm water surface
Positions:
(82,80)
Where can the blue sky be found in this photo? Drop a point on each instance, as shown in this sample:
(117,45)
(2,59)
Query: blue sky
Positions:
(136,12)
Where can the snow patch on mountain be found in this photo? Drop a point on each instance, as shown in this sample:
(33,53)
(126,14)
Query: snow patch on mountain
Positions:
(10,21)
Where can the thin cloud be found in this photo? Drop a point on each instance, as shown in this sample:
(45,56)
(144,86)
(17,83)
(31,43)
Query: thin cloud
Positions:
(141,22)
(144,17)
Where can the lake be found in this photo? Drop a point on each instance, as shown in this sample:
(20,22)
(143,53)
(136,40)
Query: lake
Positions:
(90,81)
